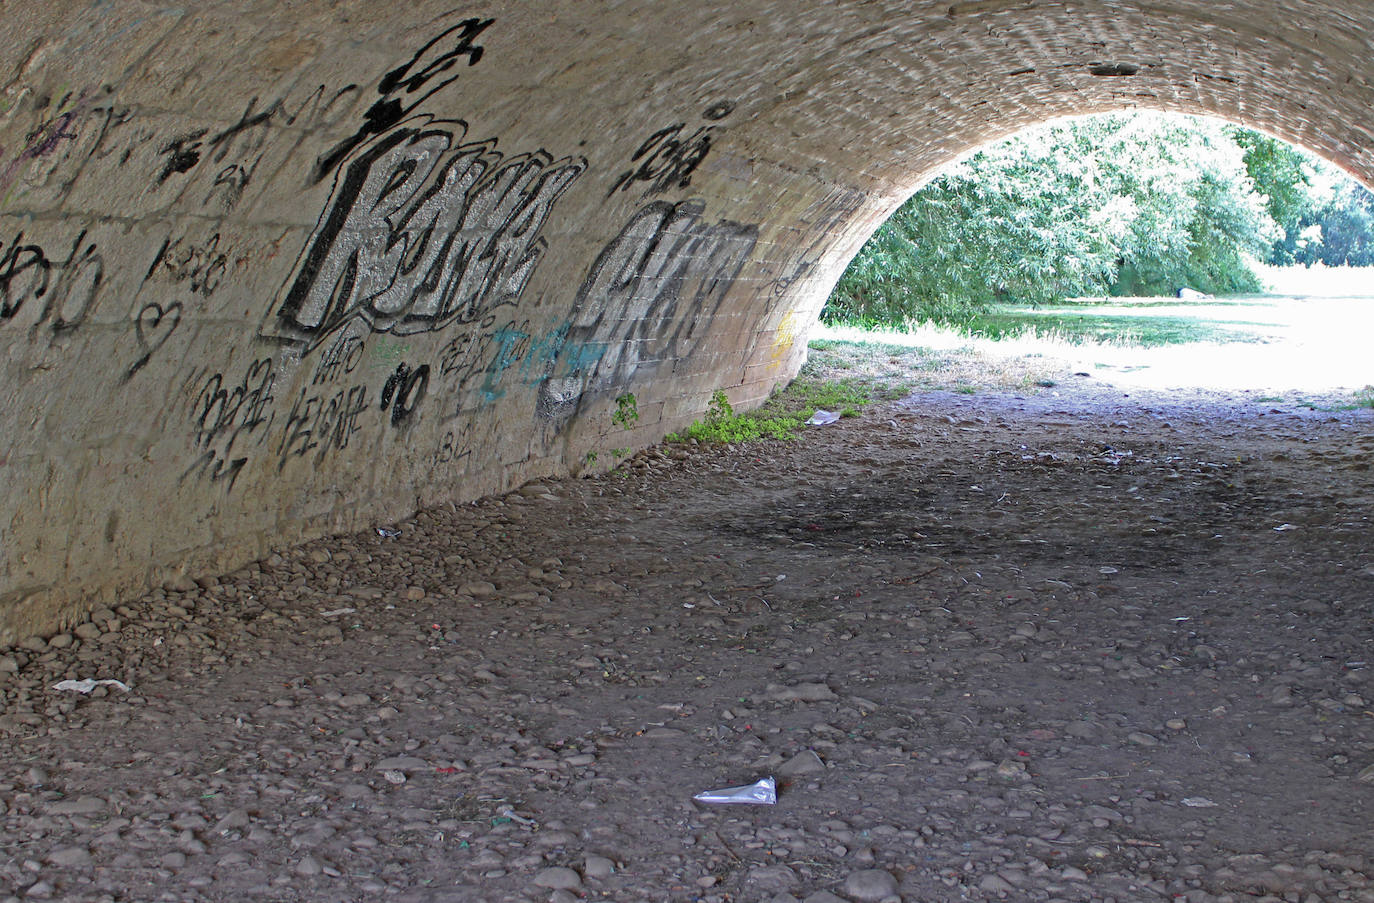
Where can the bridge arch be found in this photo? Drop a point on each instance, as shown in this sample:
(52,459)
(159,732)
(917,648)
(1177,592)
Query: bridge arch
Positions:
(266,275)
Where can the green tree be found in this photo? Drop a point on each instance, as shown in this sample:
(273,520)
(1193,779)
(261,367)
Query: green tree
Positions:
(1121,203)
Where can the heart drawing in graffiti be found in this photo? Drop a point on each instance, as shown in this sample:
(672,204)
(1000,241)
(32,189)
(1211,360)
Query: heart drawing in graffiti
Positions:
(154,325)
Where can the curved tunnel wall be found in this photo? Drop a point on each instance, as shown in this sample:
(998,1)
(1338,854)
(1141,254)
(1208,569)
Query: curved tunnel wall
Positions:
(269,271)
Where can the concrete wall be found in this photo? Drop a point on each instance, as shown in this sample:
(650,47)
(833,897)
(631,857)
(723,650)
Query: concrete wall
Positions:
(270,270)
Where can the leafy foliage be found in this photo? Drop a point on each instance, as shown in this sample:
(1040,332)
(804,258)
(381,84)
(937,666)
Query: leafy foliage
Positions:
(1106,205)
(782,417)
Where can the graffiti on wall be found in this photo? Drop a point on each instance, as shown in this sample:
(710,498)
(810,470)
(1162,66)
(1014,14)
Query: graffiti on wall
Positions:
(422,231)
(405,88)
(667,159)
(648,299)
(228,418)
(54,290)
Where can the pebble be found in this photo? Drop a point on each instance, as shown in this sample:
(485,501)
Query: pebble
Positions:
(982,758)
(558,877)
(870,884)
(803,763)
(802,692)
(70,857)
(597,867)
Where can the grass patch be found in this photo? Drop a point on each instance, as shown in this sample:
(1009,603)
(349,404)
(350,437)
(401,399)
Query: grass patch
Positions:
(784,416)
(1080,327)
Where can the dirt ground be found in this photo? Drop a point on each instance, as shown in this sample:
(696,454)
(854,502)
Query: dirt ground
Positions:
(1046,644)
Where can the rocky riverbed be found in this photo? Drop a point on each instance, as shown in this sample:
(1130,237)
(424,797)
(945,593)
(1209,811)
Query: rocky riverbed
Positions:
(1064,644)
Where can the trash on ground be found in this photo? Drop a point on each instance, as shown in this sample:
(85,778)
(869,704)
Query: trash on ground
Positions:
(760,793)
(1282,528)
(1198,802)
(87,685)
(338,611)
(388,534)
(821,418)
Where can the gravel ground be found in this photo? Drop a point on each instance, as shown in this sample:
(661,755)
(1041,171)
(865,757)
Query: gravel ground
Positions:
(1056,645)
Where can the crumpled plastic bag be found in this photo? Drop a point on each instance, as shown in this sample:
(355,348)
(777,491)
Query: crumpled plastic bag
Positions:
(763,792)
(821,418)
(87,685)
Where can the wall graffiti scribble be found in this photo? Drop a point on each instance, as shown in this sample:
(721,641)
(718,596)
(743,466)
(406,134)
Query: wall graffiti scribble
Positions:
(411,78)
(648,298)
(321,424)
(221,417)
(404,390)
(668,159)
(422,232)
(67,289)
(201,265)
(153,326)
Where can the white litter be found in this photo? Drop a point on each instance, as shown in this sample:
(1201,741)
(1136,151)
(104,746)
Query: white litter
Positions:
(338,611)
(821,418)
(1283,528)
(1198,802)
(87,685)
(760,793)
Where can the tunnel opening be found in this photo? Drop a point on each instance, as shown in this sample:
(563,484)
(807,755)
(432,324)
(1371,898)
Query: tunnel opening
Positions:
(1064,240)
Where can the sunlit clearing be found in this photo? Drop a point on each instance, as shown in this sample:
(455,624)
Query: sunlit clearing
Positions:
(1301,344)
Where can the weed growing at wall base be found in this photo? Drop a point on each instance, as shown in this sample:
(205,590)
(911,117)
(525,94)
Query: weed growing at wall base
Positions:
(784,415)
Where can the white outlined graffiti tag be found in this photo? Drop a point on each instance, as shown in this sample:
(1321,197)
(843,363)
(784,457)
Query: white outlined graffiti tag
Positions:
(422,231)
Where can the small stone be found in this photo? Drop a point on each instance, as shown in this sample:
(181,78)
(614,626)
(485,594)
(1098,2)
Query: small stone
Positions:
(478,589)
(995,884)
(558,878)
(173,861)
(394,777)
(309,866)
(70,857)
(808,692)
(823,896)
(1366,776)
(401,763)
(805,762)
(87,631)
(84,805)
(61,641)
(415,593)
(870,884)
(1176,724)
(598,867)
(9,664)
(1140,738)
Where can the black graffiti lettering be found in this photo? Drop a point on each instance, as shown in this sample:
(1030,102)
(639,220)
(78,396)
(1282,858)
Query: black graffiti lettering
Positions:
(202,266)
(68,289)
(182,153)
(297,437)
(420,234)
(321,424)
(223,418)
(341,357)
(647,299)
(17,288)
(404,390)
(455,445)
(668,158)
(412,79)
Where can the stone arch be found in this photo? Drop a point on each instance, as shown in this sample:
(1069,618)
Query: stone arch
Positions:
(334,265)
